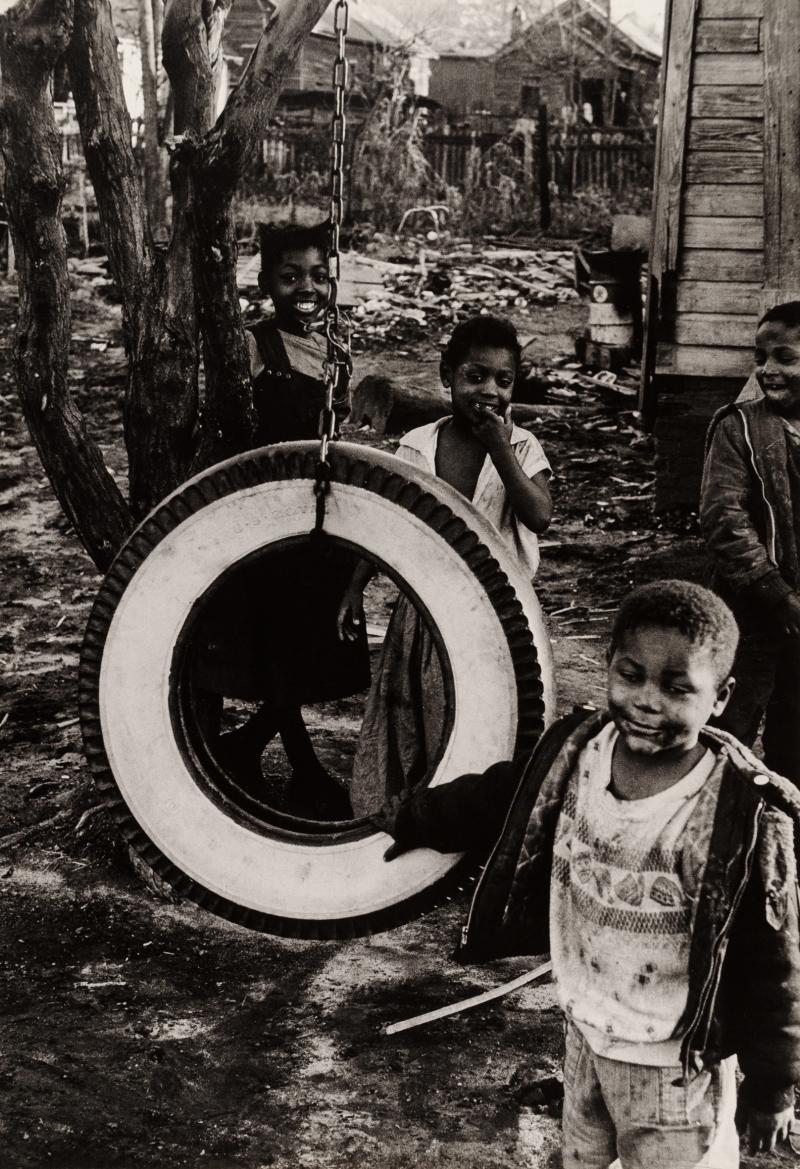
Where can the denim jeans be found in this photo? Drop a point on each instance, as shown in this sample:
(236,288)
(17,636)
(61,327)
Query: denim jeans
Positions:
(646,1116)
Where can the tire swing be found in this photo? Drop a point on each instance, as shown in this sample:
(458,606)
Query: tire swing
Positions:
(175,803)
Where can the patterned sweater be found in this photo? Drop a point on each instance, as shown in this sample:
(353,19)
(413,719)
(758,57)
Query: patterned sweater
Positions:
(620,906)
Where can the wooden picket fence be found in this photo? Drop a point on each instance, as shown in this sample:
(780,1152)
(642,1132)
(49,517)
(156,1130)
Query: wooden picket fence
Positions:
(611,160)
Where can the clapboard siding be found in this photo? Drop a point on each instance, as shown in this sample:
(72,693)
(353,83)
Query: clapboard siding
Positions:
(706,231)
(730,9)
(718,166)
(719,296)
(728,69)
(703,361)
(737,267)
(727,101)
(712,293)
(727,36)
(717,199)
(741,135)
(714,329)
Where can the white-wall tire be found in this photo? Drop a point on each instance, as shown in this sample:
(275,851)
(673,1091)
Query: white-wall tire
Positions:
(268,875)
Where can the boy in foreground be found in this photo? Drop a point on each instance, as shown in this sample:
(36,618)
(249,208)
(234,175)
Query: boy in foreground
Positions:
(656,862)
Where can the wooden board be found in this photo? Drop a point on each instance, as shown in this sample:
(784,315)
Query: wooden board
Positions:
(733,9)
(721,200)
(782,144)
(715,166)
(743,135)
(671,144)
(728,69)
(706,231)
(727,36)
(706,296)
(710,264)
(727,101)
(703,361)
(715,329)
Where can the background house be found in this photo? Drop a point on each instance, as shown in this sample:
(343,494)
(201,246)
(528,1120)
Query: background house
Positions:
(572,57)
(374,37)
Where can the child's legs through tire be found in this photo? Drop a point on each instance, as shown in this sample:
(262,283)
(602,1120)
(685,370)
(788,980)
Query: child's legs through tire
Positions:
(588,1138)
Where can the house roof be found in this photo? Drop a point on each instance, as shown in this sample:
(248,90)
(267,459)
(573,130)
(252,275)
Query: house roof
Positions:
(366,32)
(640,43)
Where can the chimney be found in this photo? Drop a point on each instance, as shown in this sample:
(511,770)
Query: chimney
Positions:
(516,22)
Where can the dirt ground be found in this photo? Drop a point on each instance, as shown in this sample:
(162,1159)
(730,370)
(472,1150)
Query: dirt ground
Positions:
(141,1033)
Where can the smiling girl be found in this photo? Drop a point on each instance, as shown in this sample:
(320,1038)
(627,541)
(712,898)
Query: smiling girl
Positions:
(503,470)
(270,636)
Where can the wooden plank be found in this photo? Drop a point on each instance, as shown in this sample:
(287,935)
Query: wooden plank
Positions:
(715,329)
(728,69)
(744,135)
(671,144)
(718,199)
(706,296)
(772,296)
(706,231)
(714,265)
(727,101)
(734,9)
(703,361)
(782,144)
(715,166)
(727,36)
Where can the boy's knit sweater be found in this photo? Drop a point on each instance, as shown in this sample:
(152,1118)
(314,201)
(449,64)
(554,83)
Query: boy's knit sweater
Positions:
(620,906)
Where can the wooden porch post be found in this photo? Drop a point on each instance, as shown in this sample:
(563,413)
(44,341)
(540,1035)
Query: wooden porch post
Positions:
(679,25)
(781,38)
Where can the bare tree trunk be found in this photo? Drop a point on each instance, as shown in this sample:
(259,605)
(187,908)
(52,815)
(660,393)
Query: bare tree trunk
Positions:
(170,302)
(153,187)
(218,166)
(158,311)
(32,38)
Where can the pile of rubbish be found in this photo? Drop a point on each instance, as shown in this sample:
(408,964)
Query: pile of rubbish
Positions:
(424,299)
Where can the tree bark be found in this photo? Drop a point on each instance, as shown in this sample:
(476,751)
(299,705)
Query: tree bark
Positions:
(170,302)
(32,38)
(159,313)
(218,166)
(153,187)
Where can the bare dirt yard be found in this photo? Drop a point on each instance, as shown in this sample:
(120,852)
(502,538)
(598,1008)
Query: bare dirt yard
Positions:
(141,1033)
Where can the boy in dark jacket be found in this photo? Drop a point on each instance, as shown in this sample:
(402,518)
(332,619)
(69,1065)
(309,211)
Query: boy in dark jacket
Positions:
(750,516)
(656,862)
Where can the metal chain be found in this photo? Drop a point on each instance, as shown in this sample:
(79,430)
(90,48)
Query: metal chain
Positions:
(338,364)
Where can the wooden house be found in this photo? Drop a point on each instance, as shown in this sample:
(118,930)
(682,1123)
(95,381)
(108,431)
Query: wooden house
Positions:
(309,83)
(571,57)
(726,216)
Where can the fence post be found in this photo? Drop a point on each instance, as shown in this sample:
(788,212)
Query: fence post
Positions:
(543,168)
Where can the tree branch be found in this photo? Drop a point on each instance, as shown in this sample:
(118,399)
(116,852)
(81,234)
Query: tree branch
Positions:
(96,83)
(222,154)
(32,38)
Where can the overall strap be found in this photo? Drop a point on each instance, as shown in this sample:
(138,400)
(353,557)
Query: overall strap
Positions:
(270,347)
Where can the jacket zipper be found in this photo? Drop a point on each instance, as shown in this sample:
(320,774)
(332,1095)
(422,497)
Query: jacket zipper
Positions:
(771,549)
(722,942)
(534,757)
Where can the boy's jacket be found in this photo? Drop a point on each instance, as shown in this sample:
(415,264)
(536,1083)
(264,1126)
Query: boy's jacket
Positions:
(744,963)
(746,506)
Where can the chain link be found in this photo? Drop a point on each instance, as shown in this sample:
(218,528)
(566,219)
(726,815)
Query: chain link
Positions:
(338,364)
